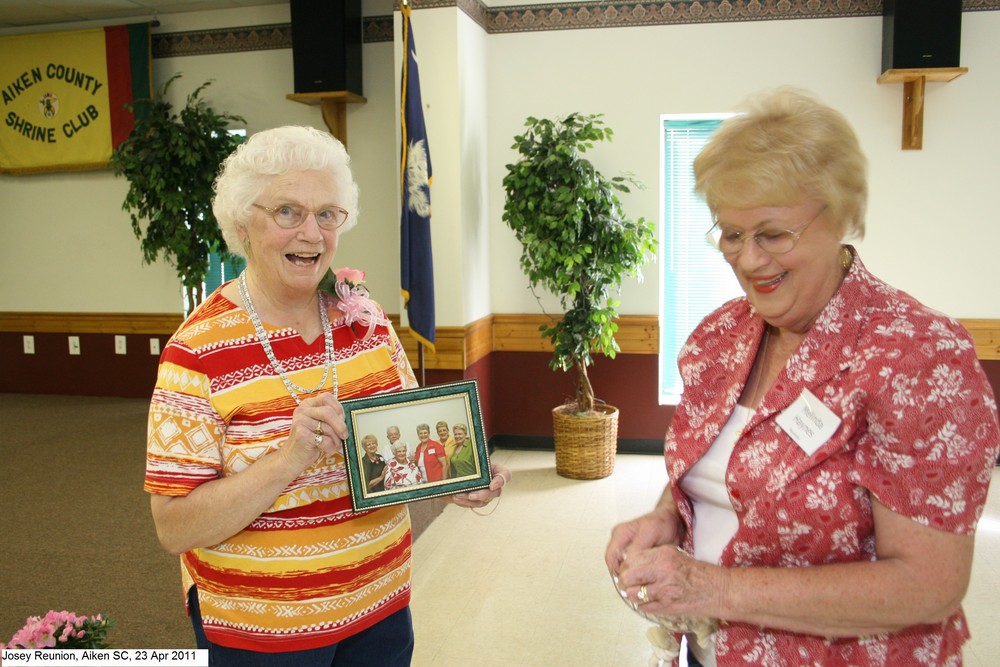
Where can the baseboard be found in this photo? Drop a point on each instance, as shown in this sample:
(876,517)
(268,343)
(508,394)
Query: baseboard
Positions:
(545,443)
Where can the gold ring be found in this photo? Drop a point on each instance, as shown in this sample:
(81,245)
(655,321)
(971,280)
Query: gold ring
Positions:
(319,428)
(643,595)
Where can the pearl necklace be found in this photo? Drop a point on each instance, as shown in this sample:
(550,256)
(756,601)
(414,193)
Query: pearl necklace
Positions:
(293,389)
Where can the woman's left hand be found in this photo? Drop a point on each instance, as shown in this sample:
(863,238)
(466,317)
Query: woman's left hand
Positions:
(481,498)
(675,583)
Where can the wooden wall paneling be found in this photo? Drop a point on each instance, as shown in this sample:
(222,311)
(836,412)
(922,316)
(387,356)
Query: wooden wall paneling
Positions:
(986,334)
(457,347)
(478,340)
(639,334)
(113,323)
(449,353)
(519,333)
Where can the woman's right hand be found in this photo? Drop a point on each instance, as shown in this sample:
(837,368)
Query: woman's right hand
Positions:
(218,509)
(321,416)
(660,527)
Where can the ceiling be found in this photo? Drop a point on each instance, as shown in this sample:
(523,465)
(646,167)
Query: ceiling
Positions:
(27,13)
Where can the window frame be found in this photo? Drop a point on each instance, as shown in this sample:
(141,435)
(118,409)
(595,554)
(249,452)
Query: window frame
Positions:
(669,385)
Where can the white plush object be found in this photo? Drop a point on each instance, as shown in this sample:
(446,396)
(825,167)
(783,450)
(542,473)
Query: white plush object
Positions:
(662,636)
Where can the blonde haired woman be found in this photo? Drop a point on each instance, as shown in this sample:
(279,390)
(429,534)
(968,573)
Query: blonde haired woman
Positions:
(832,450)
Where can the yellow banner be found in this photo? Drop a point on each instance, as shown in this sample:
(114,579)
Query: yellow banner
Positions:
(56,113)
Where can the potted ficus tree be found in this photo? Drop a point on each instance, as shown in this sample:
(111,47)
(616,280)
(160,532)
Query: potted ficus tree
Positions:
(578,244)
(170,161)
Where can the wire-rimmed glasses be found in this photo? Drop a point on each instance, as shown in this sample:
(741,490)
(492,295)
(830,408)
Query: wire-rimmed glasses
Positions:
(290,216)
(772,241)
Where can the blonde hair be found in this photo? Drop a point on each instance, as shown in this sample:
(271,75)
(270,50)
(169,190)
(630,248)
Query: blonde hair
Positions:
(248,170)
(785,148)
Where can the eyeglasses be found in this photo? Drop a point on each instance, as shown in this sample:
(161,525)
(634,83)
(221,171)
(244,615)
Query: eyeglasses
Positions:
(771,241)
(290,216)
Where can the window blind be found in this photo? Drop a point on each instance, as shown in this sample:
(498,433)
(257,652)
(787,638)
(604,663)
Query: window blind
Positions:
(695,278)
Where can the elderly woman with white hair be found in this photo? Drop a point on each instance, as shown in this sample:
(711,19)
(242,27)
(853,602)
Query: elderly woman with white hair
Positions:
(245,463)
(400,471)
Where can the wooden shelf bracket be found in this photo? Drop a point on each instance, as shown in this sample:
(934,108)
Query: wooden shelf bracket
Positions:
(333,105)
(913,81)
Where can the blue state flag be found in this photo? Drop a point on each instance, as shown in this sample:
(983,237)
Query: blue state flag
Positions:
(416,262)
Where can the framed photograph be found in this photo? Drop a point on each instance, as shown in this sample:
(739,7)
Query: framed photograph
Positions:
(415,444)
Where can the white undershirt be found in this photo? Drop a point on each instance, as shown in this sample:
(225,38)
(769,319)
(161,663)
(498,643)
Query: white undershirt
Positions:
(715,521)
(420,464)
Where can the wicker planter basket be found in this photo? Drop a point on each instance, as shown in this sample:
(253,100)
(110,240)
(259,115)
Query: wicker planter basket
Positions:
(585,446)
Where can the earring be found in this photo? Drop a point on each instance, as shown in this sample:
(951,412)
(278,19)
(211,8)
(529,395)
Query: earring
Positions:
(247,250)
(846,258)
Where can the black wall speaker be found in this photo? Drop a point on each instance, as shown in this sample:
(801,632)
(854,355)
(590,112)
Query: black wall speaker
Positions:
(921,33)
(326,45)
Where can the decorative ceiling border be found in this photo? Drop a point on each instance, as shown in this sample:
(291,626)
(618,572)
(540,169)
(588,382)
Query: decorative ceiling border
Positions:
(629,13)
(223,40)
(380,29)
(540,17)
(251,38)
(569,16)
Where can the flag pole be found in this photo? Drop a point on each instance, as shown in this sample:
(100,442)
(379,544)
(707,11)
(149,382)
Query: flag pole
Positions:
(423,368)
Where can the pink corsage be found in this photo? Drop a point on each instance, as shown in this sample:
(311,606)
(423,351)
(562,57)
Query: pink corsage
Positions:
(347,285)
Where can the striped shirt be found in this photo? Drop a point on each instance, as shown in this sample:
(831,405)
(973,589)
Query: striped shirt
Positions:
(309,571)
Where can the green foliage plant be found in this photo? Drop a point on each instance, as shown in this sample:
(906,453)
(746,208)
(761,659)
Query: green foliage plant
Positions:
(171,161)
(577,241)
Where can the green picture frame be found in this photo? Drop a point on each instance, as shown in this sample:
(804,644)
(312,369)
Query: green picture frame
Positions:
(455,403)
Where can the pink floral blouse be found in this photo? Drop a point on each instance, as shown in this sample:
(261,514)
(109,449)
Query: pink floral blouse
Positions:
(918,431)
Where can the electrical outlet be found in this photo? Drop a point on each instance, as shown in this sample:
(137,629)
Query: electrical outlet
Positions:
(120,345)
(74,345)
(154,346)
(29,344)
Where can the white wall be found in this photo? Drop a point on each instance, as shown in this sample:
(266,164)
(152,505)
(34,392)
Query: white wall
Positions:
(451,55)
(471,267)
(254,85)
(932,222)
(65,245)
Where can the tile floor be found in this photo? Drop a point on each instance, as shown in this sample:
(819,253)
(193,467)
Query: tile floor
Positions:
(527,586)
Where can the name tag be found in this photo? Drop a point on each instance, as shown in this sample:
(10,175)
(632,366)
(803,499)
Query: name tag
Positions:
(808,422)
